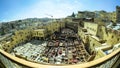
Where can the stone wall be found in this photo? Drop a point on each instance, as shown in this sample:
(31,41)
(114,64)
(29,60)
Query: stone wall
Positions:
(113,37)
(109,63)
(8,63)
(91,27)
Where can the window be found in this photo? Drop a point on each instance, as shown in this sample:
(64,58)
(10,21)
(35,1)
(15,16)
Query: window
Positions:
(93,44)
(118,39)
(112,36)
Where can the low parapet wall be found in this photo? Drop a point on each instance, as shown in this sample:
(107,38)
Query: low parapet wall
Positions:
(108,61)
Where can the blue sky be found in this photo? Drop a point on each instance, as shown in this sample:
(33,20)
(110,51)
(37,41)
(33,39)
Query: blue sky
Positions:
(21,9)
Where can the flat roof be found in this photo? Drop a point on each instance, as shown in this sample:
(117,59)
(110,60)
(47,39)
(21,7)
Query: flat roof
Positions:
(39,30)
(96,38)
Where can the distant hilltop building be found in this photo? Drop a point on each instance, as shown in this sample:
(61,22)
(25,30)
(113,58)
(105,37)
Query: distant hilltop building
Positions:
(85,14)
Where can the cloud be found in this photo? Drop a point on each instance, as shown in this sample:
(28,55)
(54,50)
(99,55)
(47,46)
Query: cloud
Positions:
(44,8)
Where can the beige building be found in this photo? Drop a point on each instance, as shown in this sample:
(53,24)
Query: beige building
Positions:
(98,38)
(26,34)
(118,13)
(39,33)
(113,16)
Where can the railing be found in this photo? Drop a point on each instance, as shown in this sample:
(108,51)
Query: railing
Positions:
(107,61)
